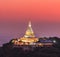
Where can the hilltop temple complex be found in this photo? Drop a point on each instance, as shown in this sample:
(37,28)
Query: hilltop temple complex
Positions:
(30,39)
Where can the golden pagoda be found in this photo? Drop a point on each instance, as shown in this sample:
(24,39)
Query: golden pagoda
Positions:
(29,35)
(28,38)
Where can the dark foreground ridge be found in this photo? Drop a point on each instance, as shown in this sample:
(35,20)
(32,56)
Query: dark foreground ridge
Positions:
(9,51)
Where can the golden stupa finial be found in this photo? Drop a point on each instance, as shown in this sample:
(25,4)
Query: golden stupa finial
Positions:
(29,24)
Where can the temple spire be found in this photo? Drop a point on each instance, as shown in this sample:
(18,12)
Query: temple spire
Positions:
(29,24)
(29,32)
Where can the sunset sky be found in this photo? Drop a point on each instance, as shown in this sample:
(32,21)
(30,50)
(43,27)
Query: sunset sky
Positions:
(15,15)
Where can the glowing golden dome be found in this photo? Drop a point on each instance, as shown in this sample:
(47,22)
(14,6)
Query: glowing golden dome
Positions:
(30,40)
